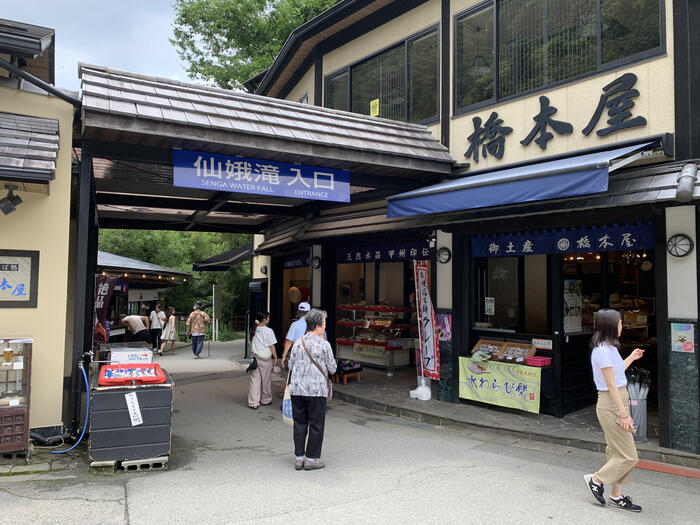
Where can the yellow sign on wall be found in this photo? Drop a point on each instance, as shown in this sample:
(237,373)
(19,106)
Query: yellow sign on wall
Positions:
(502,384)
(374,108)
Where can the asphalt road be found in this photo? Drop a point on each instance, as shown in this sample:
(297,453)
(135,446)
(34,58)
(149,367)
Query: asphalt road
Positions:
(231,464)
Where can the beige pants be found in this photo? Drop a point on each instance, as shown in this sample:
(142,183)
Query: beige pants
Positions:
(260,388)
(621,450)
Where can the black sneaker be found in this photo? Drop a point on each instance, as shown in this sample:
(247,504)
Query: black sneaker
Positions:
(595,488)
(625,502)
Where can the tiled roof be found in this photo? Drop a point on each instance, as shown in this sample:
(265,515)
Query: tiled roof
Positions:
(17,38)
(147,98)
(110,260)
(28,146)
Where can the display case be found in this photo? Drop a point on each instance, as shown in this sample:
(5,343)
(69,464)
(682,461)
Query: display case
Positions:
(375,335)
(15,381)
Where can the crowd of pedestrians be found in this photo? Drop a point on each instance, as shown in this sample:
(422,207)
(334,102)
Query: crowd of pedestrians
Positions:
(309,359)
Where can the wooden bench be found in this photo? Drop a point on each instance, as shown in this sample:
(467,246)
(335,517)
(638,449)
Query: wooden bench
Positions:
(346,376)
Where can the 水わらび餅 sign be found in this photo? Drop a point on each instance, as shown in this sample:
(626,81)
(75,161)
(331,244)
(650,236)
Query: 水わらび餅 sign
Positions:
(211,171)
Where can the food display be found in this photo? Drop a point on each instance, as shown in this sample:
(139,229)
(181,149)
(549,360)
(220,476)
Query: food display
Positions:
(487,346)
(374,333)
(516,353)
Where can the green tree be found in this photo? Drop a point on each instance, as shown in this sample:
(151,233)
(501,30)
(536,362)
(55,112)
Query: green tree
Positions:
(230,41)
(178,250)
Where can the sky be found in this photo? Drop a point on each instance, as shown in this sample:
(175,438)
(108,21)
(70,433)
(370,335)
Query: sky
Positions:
(122,34)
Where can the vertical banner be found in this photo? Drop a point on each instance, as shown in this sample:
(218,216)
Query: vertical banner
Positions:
(104,286)
(427,322)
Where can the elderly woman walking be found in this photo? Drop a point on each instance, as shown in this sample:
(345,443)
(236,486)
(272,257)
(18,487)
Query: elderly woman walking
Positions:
(310,364)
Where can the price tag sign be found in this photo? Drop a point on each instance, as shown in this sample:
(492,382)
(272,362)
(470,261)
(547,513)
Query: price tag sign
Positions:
(132,403)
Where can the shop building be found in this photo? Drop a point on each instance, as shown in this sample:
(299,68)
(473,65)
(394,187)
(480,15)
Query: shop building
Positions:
(574,185)
(37,232)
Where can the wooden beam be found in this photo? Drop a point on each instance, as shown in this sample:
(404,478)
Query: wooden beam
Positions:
(148,201)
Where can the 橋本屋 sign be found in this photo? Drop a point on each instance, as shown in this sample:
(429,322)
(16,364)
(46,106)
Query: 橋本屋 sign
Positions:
(19,275)
(211,171)
(616,101)
(599,239)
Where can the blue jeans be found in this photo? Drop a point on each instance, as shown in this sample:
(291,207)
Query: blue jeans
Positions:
(197,344)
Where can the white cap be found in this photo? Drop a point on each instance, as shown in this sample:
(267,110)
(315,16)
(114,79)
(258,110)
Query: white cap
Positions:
(304,307)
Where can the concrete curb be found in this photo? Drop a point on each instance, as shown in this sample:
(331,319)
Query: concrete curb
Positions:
(663,455)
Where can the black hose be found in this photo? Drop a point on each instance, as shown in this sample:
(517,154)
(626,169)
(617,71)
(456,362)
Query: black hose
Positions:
(50,441)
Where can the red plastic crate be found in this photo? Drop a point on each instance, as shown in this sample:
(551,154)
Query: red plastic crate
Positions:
(539,360)
(118,381)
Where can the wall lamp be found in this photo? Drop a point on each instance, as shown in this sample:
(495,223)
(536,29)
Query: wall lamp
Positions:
(10,203)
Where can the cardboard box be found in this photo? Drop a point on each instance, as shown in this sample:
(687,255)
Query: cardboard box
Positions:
(131,355)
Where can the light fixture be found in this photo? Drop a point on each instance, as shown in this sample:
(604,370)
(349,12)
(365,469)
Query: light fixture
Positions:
(126,275)
(443,255)
(184,280)
(315,262)
(10,203)
(172,278)
(263,269)
(143,276)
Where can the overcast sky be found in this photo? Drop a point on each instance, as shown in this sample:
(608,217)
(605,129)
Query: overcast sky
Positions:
(123,34)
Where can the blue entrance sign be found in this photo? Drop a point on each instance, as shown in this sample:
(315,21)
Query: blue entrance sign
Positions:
(638,236)
(211,171)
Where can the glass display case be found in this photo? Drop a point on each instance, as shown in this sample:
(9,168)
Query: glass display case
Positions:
(15,372)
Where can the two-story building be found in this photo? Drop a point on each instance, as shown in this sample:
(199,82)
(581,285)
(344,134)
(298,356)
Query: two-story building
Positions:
(575,138)
(37,235)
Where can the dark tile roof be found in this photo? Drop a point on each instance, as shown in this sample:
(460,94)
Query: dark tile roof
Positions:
(109,260)
(108,91)
(225,261)
(28,147)
(17,38)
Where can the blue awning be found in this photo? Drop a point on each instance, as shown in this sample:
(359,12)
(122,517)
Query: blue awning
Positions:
(581,175)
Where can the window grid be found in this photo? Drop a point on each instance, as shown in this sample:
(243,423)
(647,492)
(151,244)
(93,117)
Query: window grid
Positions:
(542,43)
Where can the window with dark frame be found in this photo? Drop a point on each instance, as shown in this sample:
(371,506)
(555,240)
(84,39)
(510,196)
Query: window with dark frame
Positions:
(404,78)
(545,42)
(511,294)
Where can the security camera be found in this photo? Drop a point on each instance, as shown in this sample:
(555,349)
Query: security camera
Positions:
(10,203)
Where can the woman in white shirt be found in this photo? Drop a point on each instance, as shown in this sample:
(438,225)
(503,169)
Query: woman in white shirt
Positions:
(262,341)
(613,410)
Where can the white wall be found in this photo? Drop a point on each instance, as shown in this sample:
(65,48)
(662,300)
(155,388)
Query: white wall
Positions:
(444,272)
(681,272)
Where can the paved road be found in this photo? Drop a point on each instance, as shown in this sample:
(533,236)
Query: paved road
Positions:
(231,464)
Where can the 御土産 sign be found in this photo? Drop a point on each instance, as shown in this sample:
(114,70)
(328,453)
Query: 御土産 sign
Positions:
(212,171)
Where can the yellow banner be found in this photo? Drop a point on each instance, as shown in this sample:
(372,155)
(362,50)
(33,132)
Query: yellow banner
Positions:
(374,108)
(502,384)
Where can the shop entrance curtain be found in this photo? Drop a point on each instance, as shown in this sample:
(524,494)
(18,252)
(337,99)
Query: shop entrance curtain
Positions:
(581,175)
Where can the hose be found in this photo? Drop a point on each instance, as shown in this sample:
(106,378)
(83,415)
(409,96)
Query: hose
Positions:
(87,413)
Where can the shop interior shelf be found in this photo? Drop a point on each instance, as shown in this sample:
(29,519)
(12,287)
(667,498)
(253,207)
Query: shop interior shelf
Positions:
(350,342)
(388,309)
(358,324)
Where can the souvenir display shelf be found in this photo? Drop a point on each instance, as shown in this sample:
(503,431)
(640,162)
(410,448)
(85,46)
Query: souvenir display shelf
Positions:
(516,353)
(15,380)
(379,341)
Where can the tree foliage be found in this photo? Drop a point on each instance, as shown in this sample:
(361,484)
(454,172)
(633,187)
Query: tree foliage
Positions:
(178,250)
(230,41)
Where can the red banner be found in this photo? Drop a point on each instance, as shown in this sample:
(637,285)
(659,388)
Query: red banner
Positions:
(427,323)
